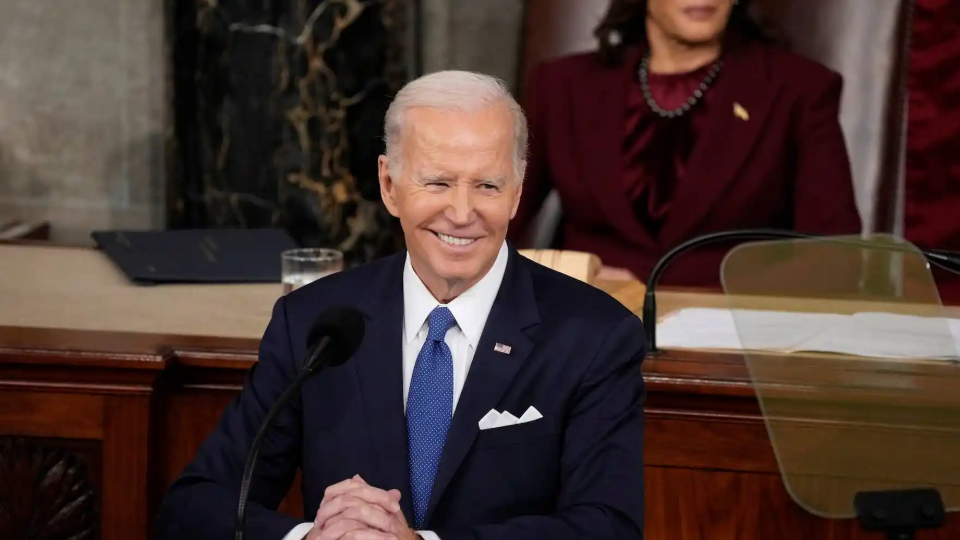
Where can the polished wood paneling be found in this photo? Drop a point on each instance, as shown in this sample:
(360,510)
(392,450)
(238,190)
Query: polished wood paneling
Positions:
(703,504)
(128,494)
(707,441)
(72,416)
(190,415)
(60,385)
(696,504)
(192,410)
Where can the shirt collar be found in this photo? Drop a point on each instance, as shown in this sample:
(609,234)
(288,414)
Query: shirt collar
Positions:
(470,309)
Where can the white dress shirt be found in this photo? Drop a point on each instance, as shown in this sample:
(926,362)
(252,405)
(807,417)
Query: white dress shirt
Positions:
(470,310)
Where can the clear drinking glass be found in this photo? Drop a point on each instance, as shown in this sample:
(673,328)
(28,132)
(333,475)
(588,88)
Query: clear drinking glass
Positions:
(300,267)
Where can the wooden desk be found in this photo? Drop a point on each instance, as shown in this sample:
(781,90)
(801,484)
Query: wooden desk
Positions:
(113,387)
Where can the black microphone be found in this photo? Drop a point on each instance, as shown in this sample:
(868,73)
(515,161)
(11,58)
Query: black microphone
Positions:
(333,338)
(944,259)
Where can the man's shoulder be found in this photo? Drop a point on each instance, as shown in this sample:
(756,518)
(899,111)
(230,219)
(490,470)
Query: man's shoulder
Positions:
(561,298)
(588,328)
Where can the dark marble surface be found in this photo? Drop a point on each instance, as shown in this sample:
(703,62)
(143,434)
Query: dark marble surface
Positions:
(277,117)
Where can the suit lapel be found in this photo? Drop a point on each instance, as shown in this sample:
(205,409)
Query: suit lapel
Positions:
(599,107)
(379,365)
(514,311)
(725,145)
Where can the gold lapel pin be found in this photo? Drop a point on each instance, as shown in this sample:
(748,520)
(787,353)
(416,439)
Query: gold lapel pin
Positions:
(740,112)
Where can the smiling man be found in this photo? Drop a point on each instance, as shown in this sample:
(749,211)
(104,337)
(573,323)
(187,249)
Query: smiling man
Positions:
(492,398)
(452,175)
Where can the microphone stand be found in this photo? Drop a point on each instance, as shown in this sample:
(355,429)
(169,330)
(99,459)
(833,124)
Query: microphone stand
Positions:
(944,259)
(310,367)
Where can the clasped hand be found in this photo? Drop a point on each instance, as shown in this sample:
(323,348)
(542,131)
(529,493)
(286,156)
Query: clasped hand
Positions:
(355,510)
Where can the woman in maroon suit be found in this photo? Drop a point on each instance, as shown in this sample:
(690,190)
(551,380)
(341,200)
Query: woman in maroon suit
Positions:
(688,120)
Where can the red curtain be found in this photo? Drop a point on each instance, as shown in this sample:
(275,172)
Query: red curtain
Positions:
(932,211)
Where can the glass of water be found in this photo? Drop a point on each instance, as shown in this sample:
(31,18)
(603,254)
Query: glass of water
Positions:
(300,267)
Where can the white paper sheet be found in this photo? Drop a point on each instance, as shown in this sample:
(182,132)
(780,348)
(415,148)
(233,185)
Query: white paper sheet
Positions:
(879,335)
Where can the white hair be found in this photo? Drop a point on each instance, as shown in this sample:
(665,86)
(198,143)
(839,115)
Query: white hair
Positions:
(454,91)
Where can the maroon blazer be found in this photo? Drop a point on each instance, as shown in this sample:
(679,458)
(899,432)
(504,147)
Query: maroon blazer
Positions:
(784,167)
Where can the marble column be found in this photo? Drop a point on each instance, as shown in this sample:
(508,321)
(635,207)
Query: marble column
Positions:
(278,116)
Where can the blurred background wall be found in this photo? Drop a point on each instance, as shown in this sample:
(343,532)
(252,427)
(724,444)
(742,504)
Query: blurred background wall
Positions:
(82,114)
(484,36)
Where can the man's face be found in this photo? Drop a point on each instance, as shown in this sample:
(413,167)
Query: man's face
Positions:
(456,193)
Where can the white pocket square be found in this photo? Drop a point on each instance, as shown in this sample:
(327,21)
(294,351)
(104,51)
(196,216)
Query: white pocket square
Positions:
(494,419)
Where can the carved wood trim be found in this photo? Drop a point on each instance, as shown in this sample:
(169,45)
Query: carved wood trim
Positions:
(46,493)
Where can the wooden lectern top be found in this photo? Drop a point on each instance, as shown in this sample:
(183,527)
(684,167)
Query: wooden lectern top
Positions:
(81,289)
(74,299)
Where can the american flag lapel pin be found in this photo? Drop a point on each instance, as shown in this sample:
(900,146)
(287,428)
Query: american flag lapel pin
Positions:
(501,348)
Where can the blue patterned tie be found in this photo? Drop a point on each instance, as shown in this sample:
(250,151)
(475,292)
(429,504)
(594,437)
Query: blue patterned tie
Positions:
(429,407)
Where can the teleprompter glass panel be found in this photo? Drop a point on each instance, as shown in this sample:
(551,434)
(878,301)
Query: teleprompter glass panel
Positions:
(854,365)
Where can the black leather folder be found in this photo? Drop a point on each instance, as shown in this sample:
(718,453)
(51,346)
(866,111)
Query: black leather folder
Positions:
(197,255)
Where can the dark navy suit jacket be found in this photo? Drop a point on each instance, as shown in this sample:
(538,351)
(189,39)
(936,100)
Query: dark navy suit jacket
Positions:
(576,473)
